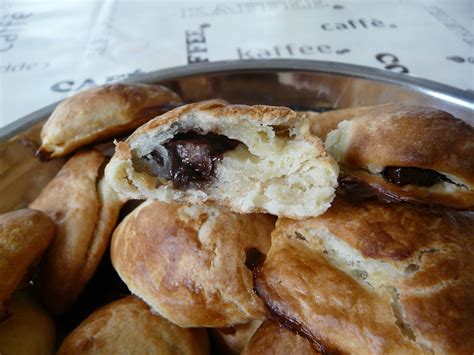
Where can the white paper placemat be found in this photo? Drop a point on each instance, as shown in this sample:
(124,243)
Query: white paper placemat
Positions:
(52,49)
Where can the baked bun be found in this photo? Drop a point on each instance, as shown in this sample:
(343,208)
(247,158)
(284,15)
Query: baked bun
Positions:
(192,264)
(29,330)
(102,112)
(128,326)
(85,210)
(274,339)
(232,340)
(24,236)
(375,278)
(249,158)
(408,153)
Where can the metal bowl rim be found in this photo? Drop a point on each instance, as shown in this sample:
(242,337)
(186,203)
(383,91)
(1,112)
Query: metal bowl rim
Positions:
(431,88)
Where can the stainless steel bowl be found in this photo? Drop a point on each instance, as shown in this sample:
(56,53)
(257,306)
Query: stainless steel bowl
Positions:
(297,83)
(300,83)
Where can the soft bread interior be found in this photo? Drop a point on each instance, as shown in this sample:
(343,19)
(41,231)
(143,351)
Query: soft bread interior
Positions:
(278,167)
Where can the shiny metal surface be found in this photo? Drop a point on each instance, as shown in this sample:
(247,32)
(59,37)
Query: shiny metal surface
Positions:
(297,83)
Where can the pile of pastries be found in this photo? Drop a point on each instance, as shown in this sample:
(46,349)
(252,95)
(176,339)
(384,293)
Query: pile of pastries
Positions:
(243,229)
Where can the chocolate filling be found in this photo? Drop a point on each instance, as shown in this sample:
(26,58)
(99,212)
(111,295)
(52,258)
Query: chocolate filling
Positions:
(189,158)
(413,176)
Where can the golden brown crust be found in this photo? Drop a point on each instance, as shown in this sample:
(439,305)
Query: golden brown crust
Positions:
(409,136)
(110,205)
(28,329)
(326,297)
(129,326)
(173,115)
(85,213)
(395,278)
(103,112)
(178,259)
(24,236)
(398,135)
(217,109)
(272,338)
(395,232)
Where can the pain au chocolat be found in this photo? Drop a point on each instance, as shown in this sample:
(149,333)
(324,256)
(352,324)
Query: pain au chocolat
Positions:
(193,264)
(408,153)
(85,210)
(374,278)
(24,236)
(249,158)
(129,326)
(104,112)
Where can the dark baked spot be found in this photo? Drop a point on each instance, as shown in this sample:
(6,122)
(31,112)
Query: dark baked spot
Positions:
(253,258)
(228,330)
(282,131)
(189,159)
(300,236)
(86,344)
(354,191)
(413,176)
(277,314)
(411,269)
(57,216)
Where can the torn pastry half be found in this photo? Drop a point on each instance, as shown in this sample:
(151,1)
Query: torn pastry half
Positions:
(24,237)
(85,210)
(249,158)
(193,264)
(374,278)
(272,338)
(408,153)
(103,112)
(129,326)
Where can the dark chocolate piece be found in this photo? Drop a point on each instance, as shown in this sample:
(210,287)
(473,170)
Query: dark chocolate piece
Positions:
(192,158)
(412,176)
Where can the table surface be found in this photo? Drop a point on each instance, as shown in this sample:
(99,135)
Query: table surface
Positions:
(52,49)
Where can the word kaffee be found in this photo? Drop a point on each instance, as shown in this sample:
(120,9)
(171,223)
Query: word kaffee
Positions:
(287,50)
